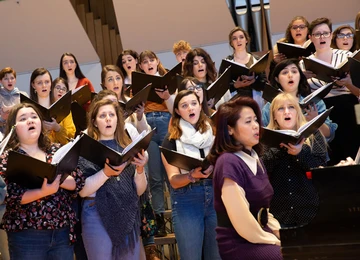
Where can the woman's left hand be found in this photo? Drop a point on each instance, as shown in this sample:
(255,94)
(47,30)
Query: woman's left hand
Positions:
(163,93)
(311,112)
(53,125)
(293,149)
(140,161)
(140,111)
(197,173)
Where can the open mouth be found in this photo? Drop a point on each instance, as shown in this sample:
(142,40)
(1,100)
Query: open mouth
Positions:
(151,69)
(287,118)
(9,85)
(291,82)
(201,70)
(192,115)
(345,43)
(323,42)
(116,88)
(31,128)
(44,90)
(60,95)
(129,67)
(108,126)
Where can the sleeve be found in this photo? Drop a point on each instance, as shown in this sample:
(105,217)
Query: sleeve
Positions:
(240,216)
(93,183)
(67,130)
(321,107)
(265,114)
(272,157)
(139,125)
(315,156)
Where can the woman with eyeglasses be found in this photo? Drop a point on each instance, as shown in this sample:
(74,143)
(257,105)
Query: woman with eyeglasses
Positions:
(245,85)
(296,33)
(343,96)
(344,38)
(67,129)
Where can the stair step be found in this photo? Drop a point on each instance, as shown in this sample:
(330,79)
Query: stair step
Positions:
(169,239)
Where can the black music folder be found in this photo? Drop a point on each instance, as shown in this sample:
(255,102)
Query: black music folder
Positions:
(130,106)
(269,92)
(355,71)
(183,161)
(30,172)
(273,138)
(316,95)
(334,233)
(81,95)
(97,153)
(291,50)
(218,88)
(325,71)
(139,80)
(59,110)
(238,69)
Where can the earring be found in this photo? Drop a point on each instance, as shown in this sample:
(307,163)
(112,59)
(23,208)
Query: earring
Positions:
(35,91)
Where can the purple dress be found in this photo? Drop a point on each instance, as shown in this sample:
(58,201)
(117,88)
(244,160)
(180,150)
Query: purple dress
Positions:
(258,192)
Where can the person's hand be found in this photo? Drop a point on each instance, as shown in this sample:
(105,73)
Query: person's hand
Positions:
(279,57)
(5,111)
(309,74)
(211,102)
(140,111)
(111,170)
(344,81)
(53,125)
(244,81)
(48,189)
(140,161)
(163,93)
(276,233)
(347,161)
(311,112)
(293,149)
(198,174)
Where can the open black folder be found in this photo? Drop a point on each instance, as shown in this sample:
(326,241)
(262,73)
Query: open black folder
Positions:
(238,69)
(130,106)
(355,71)
(81,95)
(295,51)
(30,172)
(183,161)
(97,153)
(139,80)
(269,92)
(273,138)
(218,88)
(59,110)
(325,71)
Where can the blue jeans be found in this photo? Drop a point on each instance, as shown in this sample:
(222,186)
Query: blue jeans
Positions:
(31,244)
(97,242)
(157,172)
(194,220)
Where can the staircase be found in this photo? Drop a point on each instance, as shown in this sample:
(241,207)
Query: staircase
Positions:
(99,21)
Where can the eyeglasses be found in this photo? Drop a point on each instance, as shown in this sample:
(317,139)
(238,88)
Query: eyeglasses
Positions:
(342,36)
(58,88)
(197,88)
(301,27)
(324,35)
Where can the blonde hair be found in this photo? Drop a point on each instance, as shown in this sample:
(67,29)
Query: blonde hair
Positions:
(181,45)
(300,118)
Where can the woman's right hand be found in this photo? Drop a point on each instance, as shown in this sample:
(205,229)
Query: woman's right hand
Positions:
(244,81)
(48,189)
(110,170)
(279,57)
(197,173)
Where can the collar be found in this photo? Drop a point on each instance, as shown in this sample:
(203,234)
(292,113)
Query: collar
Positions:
(250,160)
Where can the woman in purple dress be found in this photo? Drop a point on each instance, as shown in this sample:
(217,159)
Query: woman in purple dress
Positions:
(242,191)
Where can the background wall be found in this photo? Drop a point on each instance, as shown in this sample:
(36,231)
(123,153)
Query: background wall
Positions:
(35,33)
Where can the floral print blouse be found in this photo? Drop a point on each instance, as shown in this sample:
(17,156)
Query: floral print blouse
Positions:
(50,212)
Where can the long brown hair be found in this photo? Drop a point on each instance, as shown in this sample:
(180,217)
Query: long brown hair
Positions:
(210,67)
(203,124)
(113,68)
(44,142)
(152,55)
(227,116)
(337,31)
(120,135)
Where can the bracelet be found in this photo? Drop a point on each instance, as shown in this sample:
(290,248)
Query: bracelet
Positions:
(190,177)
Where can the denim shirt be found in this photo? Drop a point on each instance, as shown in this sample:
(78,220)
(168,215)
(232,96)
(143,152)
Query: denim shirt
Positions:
(321,107)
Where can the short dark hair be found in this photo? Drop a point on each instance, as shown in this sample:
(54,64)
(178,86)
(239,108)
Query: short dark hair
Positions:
(7,70)
(319,21)
(37,72)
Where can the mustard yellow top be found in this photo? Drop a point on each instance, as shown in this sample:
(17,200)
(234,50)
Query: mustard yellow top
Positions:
(67,131)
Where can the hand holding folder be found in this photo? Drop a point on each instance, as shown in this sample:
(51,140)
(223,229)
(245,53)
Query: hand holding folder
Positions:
(30,172)
(218,88)
(295,51)
(133,103)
